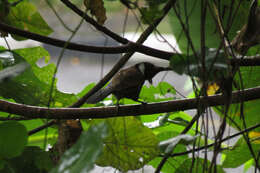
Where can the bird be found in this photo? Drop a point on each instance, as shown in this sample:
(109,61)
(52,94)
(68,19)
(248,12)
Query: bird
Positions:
(127,83)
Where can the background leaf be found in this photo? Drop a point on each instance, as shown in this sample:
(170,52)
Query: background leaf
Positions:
(33,86)
(33,159)
(12,143)
(239,154)
(26,17)
(129,146)
(211,34)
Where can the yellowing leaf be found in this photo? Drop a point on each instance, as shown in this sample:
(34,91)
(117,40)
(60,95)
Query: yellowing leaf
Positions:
(255,137)
(212,89)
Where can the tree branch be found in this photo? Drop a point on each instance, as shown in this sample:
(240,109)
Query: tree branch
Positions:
(130,47)
(94,23)
(126,110)
(31,132)
(126,57)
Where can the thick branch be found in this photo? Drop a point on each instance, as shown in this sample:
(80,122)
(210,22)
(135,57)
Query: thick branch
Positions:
(130,47)
(128,110)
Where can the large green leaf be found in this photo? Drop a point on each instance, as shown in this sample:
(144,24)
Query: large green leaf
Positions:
(80,158)
(26,17)
(33,85)
(239,154)
(37,139)
(129,146)
(33,159)
(192,9)
(13,138)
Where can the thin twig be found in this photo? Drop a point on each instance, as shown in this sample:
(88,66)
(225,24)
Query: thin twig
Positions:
(211,145)
(48,124)
(58,16)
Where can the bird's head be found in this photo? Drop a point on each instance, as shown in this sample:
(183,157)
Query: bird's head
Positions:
(149,70)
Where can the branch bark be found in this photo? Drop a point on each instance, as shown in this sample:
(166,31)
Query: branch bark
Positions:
(126,110)
(130,47)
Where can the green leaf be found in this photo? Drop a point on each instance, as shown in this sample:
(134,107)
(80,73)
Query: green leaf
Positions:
(174,127)
(240,154)
(33,159)
(13,138)
(215,62)
(192,10)
(27,162)
(157,93)
(248,77)
(199,165)
(248,165)
(26,17)
(172,163)
(2,164)
(33,85)
(129,146)
(80,158)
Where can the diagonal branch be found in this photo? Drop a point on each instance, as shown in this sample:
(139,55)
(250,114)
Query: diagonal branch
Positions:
(126,57)
(127,110)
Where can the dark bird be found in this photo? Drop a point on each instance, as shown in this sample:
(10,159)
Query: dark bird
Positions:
(128,82)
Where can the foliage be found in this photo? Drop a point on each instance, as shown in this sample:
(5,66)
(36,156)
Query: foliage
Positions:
(25,16)
(193,10)
(81,158)
(12,143)
(130,143)
(129,146)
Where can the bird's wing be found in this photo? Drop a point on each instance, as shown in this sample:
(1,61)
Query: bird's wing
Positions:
(100,95)
(127,78)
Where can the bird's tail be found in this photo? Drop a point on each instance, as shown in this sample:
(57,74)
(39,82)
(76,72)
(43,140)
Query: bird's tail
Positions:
(99,95)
